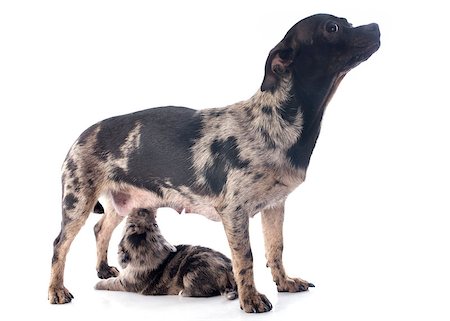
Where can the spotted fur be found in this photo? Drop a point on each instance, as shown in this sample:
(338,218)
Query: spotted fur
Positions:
(225,163)
(152,266)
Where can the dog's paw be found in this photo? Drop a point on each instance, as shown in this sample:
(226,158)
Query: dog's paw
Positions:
(293,285)
(59,295)
(255,303)
(105,271)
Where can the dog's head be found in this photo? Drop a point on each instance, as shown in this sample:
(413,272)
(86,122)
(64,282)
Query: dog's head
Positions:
(318,46)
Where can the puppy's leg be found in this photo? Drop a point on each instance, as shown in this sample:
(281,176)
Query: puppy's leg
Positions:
(193,288)
(272,223)
(76,209)
(103,231)
(236,229)
(112,284)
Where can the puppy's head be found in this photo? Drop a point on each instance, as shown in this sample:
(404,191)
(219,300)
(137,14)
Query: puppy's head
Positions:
(141,229)
(141,219)
(319,46)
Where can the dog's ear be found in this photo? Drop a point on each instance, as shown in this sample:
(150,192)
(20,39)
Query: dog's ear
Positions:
(277,64)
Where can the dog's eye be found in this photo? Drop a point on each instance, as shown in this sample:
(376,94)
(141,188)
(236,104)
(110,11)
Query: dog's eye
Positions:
(155,225)
(331,27)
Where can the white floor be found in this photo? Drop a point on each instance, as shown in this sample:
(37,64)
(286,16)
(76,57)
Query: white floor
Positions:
(369,227)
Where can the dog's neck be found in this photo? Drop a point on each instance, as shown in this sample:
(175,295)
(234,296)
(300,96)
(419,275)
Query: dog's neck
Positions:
(300,105)
(271,115)
(289,118)
(312,97)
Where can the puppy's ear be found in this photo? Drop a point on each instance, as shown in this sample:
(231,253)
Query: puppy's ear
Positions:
(277,65)
(169,247)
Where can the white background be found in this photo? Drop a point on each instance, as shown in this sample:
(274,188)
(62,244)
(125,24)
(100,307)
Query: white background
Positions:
(370,226)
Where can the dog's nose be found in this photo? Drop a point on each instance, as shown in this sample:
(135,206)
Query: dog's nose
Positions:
(373,27)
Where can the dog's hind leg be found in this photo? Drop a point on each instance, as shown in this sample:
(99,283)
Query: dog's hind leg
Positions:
(103,231)
(272,223)
(77,203)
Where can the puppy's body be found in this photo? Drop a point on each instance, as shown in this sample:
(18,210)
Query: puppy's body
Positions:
(154,267)
(225,163)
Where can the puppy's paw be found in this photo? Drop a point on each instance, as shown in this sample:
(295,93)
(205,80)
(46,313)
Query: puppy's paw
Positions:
(105,271)
(255,303)
(231,294)
(101,285)
(59,295)
(293,285)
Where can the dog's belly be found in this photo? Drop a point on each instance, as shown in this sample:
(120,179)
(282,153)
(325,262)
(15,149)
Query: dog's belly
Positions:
(268,192)
(124,200)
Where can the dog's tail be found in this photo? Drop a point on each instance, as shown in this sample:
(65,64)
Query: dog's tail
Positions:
(98,208)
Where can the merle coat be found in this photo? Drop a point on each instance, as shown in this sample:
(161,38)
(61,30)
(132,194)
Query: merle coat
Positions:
(152,266)
(225,163)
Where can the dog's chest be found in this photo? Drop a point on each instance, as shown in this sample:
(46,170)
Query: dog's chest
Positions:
(268,186)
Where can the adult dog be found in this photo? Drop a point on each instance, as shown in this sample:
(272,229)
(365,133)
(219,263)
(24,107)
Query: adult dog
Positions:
(225,163)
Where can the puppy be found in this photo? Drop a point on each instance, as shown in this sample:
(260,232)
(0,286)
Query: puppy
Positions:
(225,163)
(152,266)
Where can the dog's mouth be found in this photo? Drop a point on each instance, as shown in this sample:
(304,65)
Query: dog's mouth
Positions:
(365,42)
(362,53)
(373,46)
(369,50)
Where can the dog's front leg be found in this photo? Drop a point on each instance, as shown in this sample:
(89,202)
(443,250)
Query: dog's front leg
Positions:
(236,229)
(272,223)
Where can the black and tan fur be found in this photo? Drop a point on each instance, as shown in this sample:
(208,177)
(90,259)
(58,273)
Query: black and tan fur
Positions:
(225,163)
(152,266)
